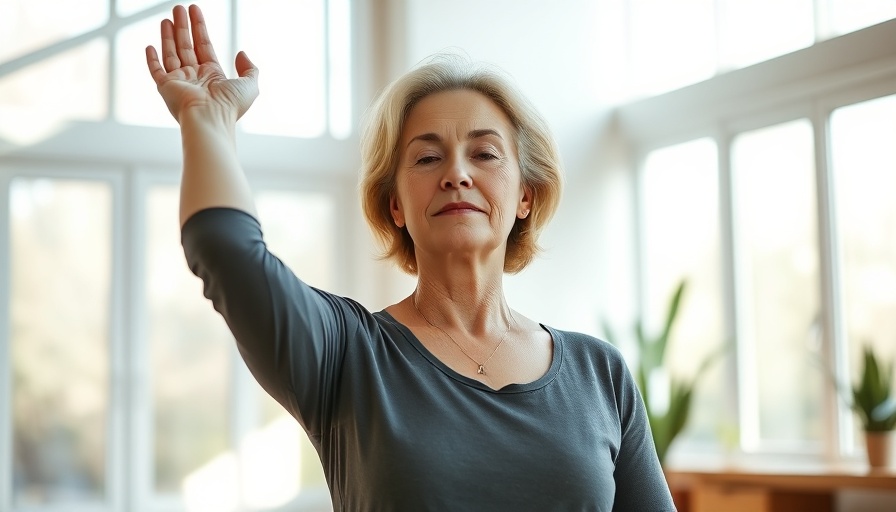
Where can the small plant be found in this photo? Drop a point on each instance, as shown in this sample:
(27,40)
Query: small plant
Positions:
(665,422)
(872,397)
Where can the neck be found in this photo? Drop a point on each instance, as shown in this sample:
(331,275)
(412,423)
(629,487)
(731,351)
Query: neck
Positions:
(480,363)
(467,304)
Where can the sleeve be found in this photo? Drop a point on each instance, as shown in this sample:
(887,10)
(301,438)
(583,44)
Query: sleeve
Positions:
(291,336)
(640,481)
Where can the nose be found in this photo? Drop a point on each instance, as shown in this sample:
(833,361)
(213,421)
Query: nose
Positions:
(456,176)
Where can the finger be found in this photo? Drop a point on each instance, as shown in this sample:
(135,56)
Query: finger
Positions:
(205,52)
(169,50)
(245,67)
(155,67)
(182,37)
(248,80)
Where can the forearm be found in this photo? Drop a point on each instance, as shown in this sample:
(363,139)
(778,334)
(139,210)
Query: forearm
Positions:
(212,174)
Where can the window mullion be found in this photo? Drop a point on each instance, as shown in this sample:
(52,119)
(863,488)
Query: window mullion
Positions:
(116,462)
(833,339)
(5,352)
(742,380)
(735,371)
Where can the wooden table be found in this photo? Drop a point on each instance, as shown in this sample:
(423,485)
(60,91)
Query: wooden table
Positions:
(735,490)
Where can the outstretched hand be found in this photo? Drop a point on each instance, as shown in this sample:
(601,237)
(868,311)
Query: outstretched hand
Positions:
(191,77)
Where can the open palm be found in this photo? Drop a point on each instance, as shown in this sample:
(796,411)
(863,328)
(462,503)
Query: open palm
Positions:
(189,75)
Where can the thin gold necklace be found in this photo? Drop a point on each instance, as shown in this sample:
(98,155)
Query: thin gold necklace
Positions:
(481,369)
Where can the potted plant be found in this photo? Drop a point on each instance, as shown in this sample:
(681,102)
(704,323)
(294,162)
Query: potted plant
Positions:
(667,398)
(874,402)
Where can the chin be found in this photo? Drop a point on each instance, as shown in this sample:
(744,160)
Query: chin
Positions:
(469,244)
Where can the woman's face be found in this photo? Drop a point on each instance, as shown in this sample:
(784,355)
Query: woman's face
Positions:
(458,188)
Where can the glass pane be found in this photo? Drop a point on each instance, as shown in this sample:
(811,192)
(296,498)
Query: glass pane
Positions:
(128,7)
(681,241)
(864,158)
(775,223)
(785,26)
(191,350)
(61,271)
(136,100)
(34,103)
(672,44)
(28,25)
(299,227)
(850,15)
(289,50)
(281,461)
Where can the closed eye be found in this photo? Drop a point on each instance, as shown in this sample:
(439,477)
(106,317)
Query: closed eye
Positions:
(486,156)
(427,160)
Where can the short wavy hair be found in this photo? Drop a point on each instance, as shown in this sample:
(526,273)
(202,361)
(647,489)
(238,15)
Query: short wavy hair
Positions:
(540,167)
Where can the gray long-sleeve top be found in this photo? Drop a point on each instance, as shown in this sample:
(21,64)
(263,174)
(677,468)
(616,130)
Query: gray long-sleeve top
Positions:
(398,430)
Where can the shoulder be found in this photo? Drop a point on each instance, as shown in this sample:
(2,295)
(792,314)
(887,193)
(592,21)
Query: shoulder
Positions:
(587,358)
(581,344)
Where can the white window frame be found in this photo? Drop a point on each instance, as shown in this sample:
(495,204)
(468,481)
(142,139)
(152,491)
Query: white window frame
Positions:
(144,156)
(115,463)
(129,415)
(810,83)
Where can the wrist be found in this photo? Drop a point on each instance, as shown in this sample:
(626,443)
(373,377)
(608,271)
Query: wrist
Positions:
(202,123)
(204,118)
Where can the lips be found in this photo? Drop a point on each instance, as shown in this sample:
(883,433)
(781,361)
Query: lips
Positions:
(455,208)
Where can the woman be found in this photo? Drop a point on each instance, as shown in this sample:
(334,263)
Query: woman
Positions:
(447,400)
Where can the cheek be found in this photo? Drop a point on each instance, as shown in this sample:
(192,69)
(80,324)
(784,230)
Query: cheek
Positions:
(508,184)
(406,202)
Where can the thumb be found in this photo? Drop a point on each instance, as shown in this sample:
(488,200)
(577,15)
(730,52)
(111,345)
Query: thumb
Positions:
(244,66)
(247,83)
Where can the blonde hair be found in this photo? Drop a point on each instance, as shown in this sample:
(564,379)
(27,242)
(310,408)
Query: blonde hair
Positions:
(538,156)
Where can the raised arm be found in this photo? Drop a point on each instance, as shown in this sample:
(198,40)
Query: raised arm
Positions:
(207,106)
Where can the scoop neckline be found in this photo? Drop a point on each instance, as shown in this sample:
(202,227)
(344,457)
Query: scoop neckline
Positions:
(544,380)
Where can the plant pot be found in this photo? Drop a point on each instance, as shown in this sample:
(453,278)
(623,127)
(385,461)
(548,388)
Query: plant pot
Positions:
(877,446)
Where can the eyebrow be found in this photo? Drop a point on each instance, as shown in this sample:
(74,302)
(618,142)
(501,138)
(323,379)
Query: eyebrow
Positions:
(472,134)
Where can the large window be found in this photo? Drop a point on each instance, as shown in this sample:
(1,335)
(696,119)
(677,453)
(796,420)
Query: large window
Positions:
(768,190)
(303,48)
(863,162)
(773,198)
(120,387)
(60,247)
(110,339)
(681,242)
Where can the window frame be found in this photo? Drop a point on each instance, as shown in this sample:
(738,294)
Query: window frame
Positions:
(144,156)
(114,461)
(810,84)
(128,478)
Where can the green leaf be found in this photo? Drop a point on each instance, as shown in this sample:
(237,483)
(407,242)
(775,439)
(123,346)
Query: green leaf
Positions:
(671,316)
(872,398)
(651,355)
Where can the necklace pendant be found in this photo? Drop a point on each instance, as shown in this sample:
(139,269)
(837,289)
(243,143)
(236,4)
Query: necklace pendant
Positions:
(481,370)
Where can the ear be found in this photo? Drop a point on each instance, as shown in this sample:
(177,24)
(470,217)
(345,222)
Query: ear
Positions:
(525,204)
(395,210)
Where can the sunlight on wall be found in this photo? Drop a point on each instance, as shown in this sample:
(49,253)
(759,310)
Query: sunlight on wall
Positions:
(270,477)
(213,487)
